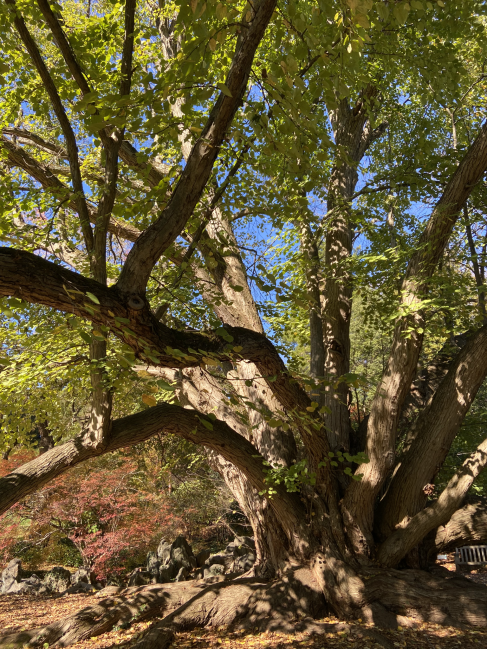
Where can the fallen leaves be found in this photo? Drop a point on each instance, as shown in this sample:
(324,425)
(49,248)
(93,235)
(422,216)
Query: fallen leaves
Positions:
(19,612)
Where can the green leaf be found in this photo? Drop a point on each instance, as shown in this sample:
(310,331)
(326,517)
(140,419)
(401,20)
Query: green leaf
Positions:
(92,297)
(224,89)
(401,12)
(85,337)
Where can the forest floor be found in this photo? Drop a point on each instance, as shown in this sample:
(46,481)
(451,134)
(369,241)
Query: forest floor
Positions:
(20,612)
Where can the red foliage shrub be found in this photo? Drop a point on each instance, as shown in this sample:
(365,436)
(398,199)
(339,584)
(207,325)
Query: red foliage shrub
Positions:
(105,507)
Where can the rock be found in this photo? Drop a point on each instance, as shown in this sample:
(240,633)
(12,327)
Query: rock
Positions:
(182,574)
(15,581)
(11,575)
(57,579)
(181,557)
(115,580)
(199,573)
(167,574)
(79,587)
(32,585)
(163,551)
(215,569)
(202,557)
(153,564)
(139,577)
(240,546)
(225,560)
(83,575)
(108,591)
(172,557)
(244,563)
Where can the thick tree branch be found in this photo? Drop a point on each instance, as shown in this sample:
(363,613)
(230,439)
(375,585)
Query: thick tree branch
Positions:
(436,428)
(112,147)
(468,525)
(150,246)
(64,46)
(451,498)
(353,135)
(128,317)
(131,430)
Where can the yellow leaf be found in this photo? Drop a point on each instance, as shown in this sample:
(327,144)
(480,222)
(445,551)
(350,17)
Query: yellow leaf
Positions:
(149,400)
(212,44)
(210,361)
(362,20)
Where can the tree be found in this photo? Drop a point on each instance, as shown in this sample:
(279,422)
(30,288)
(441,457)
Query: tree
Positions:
(208,127)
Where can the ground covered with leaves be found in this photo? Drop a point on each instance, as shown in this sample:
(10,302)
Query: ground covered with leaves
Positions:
(19,612)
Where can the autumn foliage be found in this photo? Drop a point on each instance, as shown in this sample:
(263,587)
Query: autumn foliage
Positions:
(110,512)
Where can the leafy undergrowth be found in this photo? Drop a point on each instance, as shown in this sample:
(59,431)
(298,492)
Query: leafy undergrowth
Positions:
(24,612)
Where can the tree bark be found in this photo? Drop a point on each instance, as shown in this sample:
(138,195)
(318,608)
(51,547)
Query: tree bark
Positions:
(435,430)
(156,239)
(467,526)
(353,136)
(398,544)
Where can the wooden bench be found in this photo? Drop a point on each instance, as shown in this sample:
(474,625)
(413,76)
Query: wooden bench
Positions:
(470,555)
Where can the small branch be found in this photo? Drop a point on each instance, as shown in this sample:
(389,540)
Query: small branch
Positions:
(64,122)
(27,137)
(475,264)
(44,175)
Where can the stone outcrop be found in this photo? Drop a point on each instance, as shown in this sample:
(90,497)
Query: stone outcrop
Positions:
(15,580)
(57,579)
(176,562)
(172,562)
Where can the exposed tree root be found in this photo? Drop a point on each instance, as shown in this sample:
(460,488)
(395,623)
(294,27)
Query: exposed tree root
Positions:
(295,602)
(392,598)
(139,603)
(244,602)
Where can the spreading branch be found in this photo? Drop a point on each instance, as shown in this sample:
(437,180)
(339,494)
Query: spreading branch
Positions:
(435,430)
(71,145)
(131,430)
(155,240)
(39,281)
